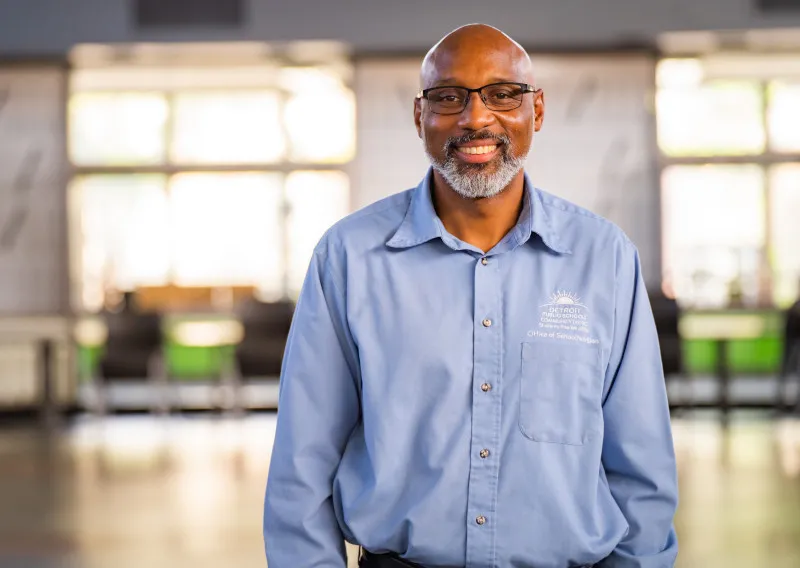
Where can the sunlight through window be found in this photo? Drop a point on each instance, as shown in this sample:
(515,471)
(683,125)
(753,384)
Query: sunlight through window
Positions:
(226,229)
(227,128)
(785,217)
(316,201)
(111,129)
(714,230)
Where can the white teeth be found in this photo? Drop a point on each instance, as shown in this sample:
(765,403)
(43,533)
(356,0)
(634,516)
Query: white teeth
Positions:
(477,149)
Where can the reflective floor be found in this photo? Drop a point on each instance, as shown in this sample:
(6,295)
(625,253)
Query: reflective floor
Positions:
(136,491)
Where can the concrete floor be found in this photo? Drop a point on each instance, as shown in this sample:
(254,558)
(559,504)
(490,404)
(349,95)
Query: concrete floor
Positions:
(136,491)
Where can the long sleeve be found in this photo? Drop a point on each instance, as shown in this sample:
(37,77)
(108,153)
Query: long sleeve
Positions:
(638,452)
(317,410)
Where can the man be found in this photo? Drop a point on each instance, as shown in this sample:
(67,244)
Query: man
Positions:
(472,378)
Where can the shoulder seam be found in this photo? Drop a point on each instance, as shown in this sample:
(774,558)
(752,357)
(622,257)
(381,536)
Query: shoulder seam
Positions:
(325,261)
(332,240)
(571,208)
(550,201)
(363,213)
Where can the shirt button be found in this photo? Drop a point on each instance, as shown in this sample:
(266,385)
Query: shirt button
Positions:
(487,323)
(484,454)
(484,261)
(481,520)
(486,387)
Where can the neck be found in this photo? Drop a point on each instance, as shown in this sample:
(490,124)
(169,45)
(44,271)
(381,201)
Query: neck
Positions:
(480,222)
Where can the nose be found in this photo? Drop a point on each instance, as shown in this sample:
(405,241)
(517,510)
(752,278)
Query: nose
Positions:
(475,116)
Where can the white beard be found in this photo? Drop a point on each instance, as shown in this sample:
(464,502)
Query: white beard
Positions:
(476,184)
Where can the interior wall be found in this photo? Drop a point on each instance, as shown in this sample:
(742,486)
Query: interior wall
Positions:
(33,252)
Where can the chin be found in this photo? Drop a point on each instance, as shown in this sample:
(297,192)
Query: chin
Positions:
(486,169)
(476,189)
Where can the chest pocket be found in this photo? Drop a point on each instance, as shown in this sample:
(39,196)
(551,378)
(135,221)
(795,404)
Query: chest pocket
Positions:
(560,392)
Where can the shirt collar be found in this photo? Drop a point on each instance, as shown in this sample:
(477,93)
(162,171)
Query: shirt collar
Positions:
(421,223)
(539,221)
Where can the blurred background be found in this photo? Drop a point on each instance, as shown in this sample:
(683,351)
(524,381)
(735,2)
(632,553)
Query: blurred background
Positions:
(166,167)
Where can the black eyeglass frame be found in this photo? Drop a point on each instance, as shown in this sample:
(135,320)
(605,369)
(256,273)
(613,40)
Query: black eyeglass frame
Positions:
(526,88)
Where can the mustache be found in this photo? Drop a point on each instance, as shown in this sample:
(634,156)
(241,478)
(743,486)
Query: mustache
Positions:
(454,141)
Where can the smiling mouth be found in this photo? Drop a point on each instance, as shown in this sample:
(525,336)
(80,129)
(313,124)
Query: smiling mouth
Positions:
(477,150)
(478,155)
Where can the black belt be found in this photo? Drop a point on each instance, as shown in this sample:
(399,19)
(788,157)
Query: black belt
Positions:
(370,560)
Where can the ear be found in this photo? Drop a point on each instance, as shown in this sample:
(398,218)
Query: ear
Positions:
(538,110)
(418,115)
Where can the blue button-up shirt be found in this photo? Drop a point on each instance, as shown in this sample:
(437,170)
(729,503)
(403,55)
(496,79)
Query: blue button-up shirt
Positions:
(471,409)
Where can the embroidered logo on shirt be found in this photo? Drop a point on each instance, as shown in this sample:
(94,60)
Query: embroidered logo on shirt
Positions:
(564,317)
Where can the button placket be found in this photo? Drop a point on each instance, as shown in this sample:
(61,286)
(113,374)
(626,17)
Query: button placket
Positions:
(487,308)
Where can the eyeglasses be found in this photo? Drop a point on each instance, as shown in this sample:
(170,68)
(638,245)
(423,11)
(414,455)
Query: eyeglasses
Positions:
(496,96)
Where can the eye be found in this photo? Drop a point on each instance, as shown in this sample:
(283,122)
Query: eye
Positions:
(447,96)
(504,93)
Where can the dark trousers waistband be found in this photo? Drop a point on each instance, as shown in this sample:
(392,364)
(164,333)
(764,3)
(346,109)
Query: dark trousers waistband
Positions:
(369,560)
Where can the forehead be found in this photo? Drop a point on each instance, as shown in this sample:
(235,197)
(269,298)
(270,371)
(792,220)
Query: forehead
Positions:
(474,66)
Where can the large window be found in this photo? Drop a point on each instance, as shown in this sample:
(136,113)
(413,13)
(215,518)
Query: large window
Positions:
(205,178)
(730,140)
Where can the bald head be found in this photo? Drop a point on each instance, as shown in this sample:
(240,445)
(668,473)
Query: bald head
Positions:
(473,45)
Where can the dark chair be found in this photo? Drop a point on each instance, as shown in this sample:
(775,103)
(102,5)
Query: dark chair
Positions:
(133,353)
(666,313)
(260,353)
(790,362)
